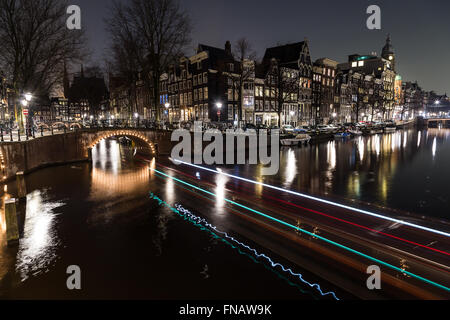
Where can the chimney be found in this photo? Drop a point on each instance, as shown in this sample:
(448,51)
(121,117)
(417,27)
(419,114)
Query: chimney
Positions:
(228,48)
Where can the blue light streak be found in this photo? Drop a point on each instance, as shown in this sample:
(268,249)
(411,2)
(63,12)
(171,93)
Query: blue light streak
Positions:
(311,234)
(204,222)
(180,210)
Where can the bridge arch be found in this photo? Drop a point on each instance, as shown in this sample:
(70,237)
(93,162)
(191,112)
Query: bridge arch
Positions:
(137,135)
(58,125)
(75,124)
(43,125)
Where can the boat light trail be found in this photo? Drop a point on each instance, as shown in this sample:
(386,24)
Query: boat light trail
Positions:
(325,215)
(205,225)
(204,222)
(443,233)
(310,233)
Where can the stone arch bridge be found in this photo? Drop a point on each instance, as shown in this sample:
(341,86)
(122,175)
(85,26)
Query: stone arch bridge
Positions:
(74,146)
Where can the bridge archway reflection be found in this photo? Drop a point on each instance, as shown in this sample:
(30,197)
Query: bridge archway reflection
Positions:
(141,142)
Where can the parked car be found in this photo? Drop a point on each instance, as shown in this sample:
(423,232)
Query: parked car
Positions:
(324,128)
(287,128)
(333,128)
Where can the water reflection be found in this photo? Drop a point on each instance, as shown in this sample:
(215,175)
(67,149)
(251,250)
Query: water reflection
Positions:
(290,170)
(37,248)
(384,169)
(110,174)
(107,183)
(361,148)
(221,182)
(106,156)
(109,223)
(433,149)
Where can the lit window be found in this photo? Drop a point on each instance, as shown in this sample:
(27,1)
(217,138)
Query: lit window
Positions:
(361,64)
(354,64)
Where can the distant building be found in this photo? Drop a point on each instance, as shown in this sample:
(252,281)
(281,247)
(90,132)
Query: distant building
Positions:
(413,99)
(122,102)
(59,109)
(437,106)
(197,86)
(375,101)
(285,77)
(324,79)
(87,96)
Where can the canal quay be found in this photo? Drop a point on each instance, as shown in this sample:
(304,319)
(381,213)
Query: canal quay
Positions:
(140,227)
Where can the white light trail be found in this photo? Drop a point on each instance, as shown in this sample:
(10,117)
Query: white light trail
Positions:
(443,233)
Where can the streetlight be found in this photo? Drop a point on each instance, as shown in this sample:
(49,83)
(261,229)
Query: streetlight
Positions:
(28,97)
(437,102)
(219,108)
(136,115)
(167,106)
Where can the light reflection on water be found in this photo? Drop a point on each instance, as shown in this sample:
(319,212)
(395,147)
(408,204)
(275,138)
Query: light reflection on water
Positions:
(377,169)
(110,177)
(38,245)
(221,182)
(109,225)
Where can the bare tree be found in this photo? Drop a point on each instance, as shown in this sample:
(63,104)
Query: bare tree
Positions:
(357,91)
(35,44)
(245,56)
(123,60)
(154,34)
(285,82)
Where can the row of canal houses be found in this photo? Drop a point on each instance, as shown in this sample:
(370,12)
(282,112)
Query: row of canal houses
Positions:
(286,87)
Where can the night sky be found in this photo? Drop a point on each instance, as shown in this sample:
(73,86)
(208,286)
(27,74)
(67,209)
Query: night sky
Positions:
(419,29)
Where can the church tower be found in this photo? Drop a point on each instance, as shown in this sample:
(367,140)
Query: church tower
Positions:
(388,52)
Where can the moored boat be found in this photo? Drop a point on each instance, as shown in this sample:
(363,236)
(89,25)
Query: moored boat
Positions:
(295,140)
(355,132)
(343,135)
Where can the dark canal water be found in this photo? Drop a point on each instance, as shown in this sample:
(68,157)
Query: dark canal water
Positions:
(101,218)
